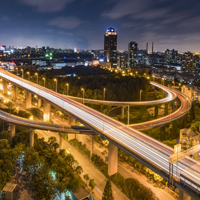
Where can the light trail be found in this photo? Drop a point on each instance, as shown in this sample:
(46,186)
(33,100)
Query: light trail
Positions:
(134,141)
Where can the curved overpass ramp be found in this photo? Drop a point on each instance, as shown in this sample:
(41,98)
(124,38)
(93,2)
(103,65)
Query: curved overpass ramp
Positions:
(170,97)
(145,149)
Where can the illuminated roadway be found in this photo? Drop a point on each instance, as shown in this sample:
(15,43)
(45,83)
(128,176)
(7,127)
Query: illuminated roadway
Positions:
(145,149)
(170,97)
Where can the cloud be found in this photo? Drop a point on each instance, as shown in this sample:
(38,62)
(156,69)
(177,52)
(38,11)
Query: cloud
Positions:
(126,7)
(65,22)
(47,5)
(4,18)
(192,22)
(128,24)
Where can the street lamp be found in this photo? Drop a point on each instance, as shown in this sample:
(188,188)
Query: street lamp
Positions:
(37,77)
(141,94)
(83,94)
(17,70)
(22,73)
(67,88)
(44,81)
(163,80)
(28,75)
(104,94)
(153,78)
(56,83)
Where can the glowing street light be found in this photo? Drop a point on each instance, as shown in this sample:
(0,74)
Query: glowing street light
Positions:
(82,89)
(153,78)
(44,81)
(56,83)
(67,88)
(28,75)
(163,79)
(104,94)
(37,77)
(22,73)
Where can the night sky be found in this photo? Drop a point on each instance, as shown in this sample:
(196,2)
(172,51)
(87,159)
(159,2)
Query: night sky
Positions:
(82,23)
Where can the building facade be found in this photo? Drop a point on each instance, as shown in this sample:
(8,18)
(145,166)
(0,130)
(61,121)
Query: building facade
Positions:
(110,46)
(132,54)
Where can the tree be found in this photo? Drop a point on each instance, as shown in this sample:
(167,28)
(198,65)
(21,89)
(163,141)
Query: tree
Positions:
(52,141)
(92,184)
(5,135)
(107,194)
(86,177)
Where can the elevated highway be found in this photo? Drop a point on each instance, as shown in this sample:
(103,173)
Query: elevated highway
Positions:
(145,149)
(170,97)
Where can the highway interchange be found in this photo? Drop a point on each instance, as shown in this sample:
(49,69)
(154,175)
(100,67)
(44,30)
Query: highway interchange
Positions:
(133,141)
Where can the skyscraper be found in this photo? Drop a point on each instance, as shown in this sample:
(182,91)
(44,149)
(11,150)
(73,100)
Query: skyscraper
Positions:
(132,54)
(110,46)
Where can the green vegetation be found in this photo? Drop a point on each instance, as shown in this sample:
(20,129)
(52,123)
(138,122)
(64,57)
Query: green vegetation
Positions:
(36,112)
(8,160)
(107,194)
(81,147)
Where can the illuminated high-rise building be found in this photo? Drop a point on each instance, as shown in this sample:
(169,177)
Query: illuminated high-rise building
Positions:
(132,54)
(110,46)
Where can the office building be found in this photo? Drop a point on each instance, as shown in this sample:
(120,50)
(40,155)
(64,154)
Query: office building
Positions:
(132,54)
(110,47)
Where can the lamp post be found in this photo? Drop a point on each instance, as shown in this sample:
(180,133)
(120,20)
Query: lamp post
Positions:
(22,73)
(141,95)
(128,115)
(163,80)
(83,94)
(56,84)
(67,88)
(28,75)
(37,77)
(44,81)
(104,94)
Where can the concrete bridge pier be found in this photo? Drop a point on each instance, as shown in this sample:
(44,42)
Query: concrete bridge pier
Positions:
(183,196)
(166,109)
(46,110)
(28,98)
(5,87)
(12,133)
(156,111)
(15,92)
(39,103)
(123,107)
(92,145)
(71,122)
(112,159)
(31,142)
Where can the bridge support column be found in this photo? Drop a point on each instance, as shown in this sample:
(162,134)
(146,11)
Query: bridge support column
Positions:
(5,87)
(61,142)
(123,107)
(183,196)
(112,159)
(39,103)
(156,111)
(72,122)
(46,111)
(15,92)
(28,97)
(32,132)
(166,109)
(92,145)
(12,133)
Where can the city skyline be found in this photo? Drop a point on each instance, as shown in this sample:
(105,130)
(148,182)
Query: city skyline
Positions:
(82,24)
